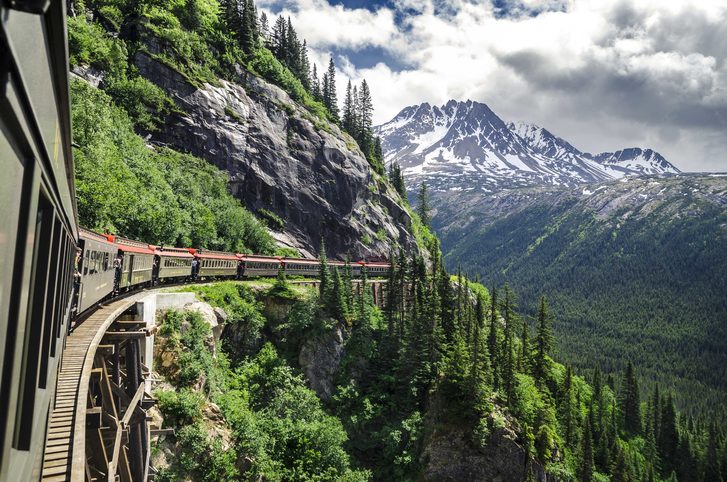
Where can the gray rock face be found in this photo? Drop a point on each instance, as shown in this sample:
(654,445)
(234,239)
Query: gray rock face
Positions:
(320,358)
(280,159)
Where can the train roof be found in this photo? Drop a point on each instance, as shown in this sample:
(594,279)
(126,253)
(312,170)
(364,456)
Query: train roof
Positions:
(174,252)
(209,254)
(261,259)
(88,234)
(130,246)
(300,261)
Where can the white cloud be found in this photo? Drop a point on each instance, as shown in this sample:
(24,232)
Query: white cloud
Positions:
(604,74)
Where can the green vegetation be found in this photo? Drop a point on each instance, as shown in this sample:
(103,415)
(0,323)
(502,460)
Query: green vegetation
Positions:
(653,295)
(206,40)
(275,427)
(154,195)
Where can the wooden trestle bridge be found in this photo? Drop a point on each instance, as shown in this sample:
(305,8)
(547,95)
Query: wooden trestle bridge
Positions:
(98,427)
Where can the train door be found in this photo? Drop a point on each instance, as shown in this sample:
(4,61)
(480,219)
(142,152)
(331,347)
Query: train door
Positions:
(130,260)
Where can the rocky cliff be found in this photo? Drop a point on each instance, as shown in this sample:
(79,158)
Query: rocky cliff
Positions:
(282,159)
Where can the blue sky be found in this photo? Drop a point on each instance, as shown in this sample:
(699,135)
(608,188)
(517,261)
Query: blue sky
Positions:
(603,74)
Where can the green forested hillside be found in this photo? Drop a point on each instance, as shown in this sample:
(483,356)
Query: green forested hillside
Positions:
(631,275)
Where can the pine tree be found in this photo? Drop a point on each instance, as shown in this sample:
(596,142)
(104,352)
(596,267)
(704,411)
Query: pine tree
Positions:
(424,209)
(337,305)
(365,117)
(348,107)
(364,296)
(264,26)
(523,361)
(621,470)
(629,403)
(347,287)
(543,341)
(492,341)
(712,470)
(585,470)
(569,418)
(248,27)
(316,84)
(392,302)
(668,437)
(378,150)
(323,276)
(480,365)
(508,362)
(279,39)
(304,66)
(330,97)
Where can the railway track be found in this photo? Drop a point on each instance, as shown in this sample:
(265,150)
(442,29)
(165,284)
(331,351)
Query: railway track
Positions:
(65,455)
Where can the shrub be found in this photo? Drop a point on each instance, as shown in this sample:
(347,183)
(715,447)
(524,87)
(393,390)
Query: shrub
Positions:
(181,407)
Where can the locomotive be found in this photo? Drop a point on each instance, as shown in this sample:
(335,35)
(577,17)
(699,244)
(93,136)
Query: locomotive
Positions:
(52,270)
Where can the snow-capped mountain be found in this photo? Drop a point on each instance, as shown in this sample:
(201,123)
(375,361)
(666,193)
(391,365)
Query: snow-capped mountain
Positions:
(466,146)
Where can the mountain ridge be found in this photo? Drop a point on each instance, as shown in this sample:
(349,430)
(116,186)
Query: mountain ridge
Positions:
(464,145)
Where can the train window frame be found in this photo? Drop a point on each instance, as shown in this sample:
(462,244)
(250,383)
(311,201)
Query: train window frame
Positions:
(30,357)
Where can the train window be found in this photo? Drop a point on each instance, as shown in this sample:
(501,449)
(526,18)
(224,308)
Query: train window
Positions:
(52,292)
(34,328)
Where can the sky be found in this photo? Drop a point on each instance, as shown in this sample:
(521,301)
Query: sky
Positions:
(602,74)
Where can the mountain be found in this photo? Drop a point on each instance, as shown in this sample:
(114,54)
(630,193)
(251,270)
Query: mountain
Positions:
(466,146)
(634,269)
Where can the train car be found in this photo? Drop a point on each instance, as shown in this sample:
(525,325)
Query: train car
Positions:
(173,263)
(137,267)
(96,268)
(260,266)
(301,267)
(38,231)
(215,264)
(376,269)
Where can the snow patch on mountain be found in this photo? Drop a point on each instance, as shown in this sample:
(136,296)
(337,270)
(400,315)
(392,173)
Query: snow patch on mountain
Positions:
(465,145)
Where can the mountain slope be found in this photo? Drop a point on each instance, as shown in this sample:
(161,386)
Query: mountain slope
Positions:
(466,146)
(635,270)
(285,161)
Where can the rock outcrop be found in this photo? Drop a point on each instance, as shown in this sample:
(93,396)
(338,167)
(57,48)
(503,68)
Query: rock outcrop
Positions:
(283,159)
(320,359)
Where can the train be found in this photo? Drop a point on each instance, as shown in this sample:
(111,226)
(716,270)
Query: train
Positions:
(52,271)
(109,265)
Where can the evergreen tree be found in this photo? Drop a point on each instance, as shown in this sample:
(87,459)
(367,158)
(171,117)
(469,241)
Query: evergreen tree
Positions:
(621,469)
(569,417)
(337,306)
(585,470)
(543,341)
(364,295)
(323,276)
(316,84)
(492,341)
(508,362)
(523,361)
(264,26)
(424,209)
(629,403)
(330,97)
(668,438)
(279,41)
(712,470)
(379,151)
(365,109)
(347,288)
(480,365)
(347,122)
(304,66)
(248,32)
